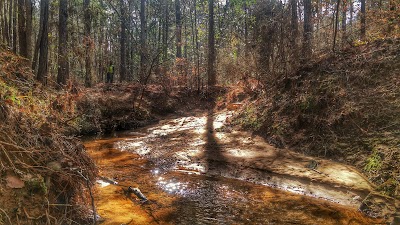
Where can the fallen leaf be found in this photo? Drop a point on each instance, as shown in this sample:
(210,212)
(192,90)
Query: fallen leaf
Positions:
(14,182)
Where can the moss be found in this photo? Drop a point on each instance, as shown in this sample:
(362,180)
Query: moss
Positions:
(374,162)
(36,185)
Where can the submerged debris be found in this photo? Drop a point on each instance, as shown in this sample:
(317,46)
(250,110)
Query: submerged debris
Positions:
(109,180)
(138,193)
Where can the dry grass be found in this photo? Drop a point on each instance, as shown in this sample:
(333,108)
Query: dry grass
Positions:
(34,147)
(344,107)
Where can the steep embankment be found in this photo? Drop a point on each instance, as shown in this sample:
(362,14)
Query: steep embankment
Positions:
(111,107)
(345,106)
(45,174)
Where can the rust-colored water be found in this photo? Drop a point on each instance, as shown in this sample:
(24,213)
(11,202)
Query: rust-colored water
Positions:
(189,194)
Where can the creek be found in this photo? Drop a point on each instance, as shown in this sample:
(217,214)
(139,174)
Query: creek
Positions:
(195,169)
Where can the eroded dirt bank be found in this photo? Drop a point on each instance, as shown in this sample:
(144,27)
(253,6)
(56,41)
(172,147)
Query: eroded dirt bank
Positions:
(343,106)
(195,169)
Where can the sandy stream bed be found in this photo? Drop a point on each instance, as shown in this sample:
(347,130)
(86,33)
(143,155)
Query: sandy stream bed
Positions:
(195,170)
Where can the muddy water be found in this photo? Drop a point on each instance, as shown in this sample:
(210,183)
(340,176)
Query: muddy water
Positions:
(195,170)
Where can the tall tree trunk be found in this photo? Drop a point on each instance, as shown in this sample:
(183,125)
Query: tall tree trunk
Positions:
(63,63)
(9,26)
(43,42)
(362,21)
(88,43)
(23,50)
(131,51)
(1,23)
(294,29)
(178,29)
(122,71)
(28,8)
(196,32)
(2,33)
(351,16)
(318,12)
(344,22)
(211,45)
(165,30)
(336,16)
(308,30)
(143,37)
(246,31)
(5,21)
(14,25)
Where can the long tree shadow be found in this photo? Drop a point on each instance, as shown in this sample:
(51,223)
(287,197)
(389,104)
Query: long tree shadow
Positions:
(216,161)
(207,205)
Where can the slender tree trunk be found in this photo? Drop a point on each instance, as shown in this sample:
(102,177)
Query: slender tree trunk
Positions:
(351,16)
(14,25)
(88,43)
(63,63)
(294,29)
(22,28)
(178,29)
(186,35)
(362,21)
(308,30)
(197,46)
(160,30)
(43,42)
(2,38)
(344,22)
(165,30)
(318,12)
(5,26)
(131,51)
(1,23)
(336,25)
(28,8)
(211,45)
(10,23)
(143,37)
(122,72)
(246,31)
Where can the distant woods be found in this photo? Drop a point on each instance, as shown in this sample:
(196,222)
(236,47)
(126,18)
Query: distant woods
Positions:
(196,43)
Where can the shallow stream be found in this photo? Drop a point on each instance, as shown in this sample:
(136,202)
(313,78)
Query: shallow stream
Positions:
(195,170)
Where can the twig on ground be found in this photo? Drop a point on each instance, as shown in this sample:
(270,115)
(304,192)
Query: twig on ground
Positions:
(9,220)
(31,217)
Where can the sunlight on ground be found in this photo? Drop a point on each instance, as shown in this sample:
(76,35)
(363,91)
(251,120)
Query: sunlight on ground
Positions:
(169,165)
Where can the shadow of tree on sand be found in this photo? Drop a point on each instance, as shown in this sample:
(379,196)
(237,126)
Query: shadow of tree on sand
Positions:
(216,161)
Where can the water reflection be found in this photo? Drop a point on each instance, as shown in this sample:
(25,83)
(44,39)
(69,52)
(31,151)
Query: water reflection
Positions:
(172,186)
